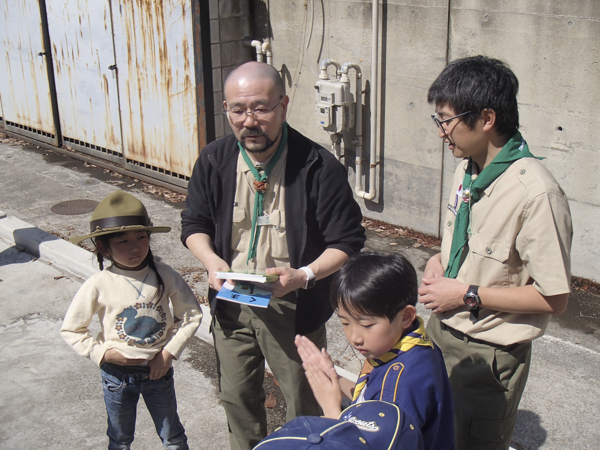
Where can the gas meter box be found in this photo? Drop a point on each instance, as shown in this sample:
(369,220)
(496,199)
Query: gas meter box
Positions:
(335,106)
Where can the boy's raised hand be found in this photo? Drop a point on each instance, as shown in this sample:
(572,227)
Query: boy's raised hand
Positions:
(321,375)
(326,388)
(310,354)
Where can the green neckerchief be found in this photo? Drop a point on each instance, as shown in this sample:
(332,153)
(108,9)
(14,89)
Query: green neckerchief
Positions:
(516,148)
(259,196)
(408,341)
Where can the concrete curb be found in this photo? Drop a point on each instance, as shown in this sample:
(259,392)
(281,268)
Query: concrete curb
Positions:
(57,251)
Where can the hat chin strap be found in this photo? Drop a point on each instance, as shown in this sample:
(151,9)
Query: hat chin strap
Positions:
(118,222)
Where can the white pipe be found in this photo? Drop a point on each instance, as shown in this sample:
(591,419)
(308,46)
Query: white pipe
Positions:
(258,46)
(323,75)
(266,49)
(373,163)
(358,188)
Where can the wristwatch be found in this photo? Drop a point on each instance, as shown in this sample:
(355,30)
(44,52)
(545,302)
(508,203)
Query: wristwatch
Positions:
(473,302)
(310,277)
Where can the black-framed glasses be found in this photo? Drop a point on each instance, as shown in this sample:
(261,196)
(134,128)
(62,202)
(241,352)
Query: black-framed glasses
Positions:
(440,123)
(238,116)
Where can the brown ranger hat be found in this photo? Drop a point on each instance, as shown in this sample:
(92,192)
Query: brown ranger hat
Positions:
(119,212)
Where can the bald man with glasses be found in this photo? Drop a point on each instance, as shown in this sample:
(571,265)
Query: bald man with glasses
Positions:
(267,198)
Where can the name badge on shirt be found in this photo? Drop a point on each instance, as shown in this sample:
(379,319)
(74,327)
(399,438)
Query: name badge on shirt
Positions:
(261,221)
(459,193)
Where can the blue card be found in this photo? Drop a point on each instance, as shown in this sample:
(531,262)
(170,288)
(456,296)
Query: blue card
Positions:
(245,293)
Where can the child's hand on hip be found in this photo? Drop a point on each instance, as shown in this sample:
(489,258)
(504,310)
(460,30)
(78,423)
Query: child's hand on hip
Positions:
(160,364)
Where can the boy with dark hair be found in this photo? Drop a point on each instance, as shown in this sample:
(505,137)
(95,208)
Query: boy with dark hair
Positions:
(374,296)
(504,266)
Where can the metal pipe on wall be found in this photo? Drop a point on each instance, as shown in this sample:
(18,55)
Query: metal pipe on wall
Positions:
(262,49)
(373,163)
(266,49)
(258,47)
(357,121)
(323,69)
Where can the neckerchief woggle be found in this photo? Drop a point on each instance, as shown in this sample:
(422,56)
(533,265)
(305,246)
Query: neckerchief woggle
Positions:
(516,148)
(410,340)
(259,195)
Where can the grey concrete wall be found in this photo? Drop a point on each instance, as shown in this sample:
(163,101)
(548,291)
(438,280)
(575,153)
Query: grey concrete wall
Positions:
(553,47)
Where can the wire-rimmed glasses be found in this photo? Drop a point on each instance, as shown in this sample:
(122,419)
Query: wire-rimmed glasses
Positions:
(440,123)
(238,116)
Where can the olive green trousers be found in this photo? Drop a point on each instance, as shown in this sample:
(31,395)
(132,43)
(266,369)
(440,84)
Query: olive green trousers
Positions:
(487,382)
(244,338)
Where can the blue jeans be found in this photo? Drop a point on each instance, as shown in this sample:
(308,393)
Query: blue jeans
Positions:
(121,394)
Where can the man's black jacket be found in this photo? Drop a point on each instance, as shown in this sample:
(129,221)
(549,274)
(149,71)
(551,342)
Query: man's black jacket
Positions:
(320,212)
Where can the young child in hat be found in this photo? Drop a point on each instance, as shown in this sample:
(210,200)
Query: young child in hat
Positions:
(138,301)
(375,295)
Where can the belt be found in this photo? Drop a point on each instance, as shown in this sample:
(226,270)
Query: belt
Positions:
(140,373)
(465,337)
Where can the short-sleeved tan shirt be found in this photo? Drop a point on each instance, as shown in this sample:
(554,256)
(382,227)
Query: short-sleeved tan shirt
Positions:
(272,250)
(521,234)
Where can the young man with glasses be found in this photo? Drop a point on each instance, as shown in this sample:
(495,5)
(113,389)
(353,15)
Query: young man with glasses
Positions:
(504,268)
(268,198)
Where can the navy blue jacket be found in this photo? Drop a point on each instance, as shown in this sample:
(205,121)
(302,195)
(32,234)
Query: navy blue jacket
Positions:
(320,211)
(418,383)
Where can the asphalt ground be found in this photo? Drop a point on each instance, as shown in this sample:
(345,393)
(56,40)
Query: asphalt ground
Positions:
(52,398)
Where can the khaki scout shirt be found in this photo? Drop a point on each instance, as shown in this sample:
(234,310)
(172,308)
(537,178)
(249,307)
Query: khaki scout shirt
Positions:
(520,234)
(272,250)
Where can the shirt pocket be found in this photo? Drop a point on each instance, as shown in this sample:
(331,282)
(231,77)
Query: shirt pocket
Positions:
(489,261)
(240,230)
(487,247)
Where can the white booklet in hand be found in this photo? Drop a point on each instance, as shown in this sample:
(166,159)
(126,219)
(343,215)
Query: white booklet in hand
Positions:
(250,275)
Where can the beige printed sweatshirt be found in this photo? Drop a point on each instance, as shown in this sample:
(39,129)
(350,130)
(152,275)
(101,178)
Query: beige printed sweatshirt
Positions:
(131,320)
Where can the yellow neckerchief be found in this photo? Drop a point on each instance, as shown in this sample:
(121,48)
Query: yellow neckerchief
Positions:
(408,341)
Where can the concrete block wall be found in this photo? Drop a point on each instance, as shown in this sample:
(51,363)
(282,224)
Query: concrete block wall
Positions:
(551,46)
(230,26)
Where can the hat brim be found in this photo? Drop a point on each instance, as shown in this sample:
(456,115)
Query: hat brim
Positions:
(78,239)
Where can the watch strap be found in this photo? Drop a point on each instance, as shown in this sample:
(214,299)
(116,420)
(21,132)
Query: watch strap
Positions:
(310,277)
(473,292)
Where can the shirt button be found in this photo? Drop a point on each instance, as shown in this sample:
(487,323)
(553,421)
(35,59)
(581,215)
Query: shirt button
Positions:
(449,223)
(314,438)
(488,251)
(522,172)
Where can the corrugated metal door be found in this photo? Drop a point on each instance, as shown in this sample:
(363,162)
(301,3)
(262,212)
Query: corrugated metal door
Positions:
(24,83)
(85,78)
(155,61)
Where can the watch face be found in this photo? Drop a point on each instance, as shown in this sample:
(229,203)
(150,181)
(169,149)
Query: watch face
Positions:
(471,300)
